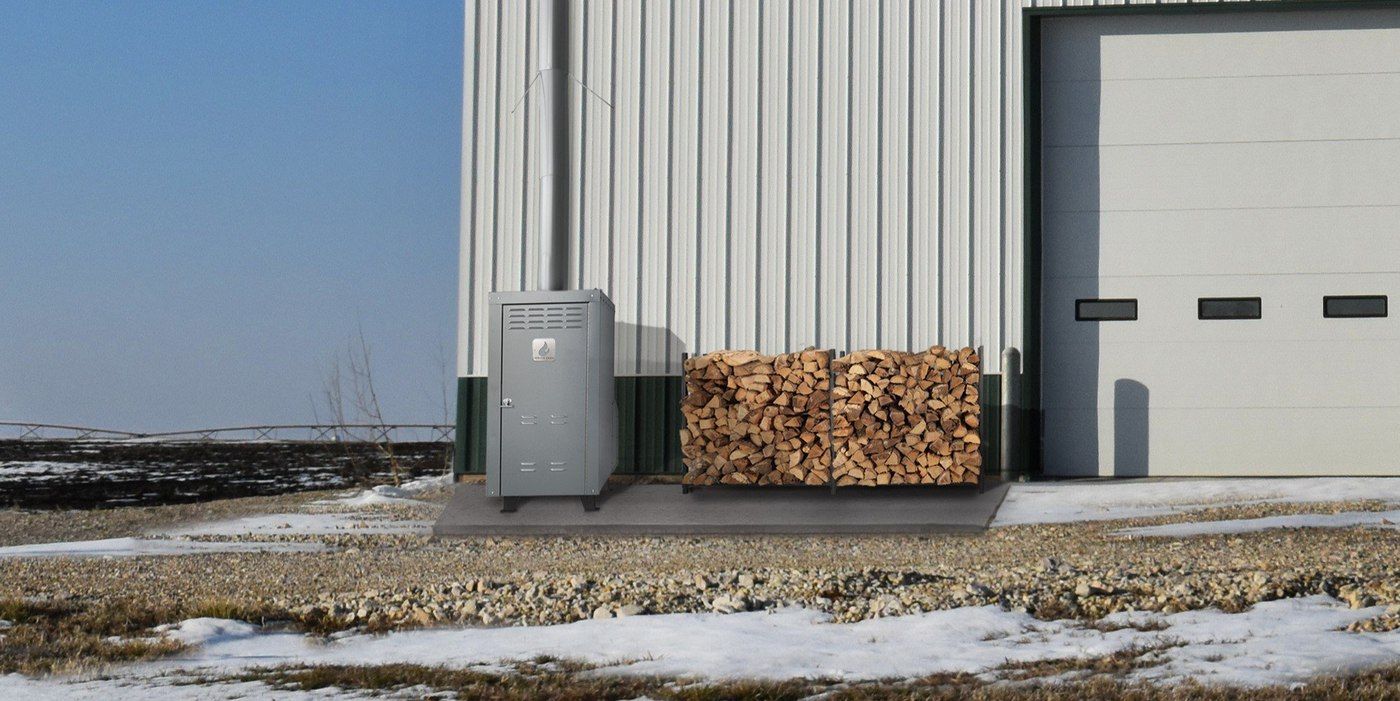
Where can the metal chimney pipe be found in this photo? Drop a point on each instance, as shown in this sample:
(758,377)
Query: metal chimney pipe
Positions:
(553,42)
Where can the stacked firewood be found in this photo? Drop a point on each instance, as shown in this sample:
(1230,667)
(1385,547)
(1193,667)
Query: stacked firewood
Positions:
(757,419)
(907,418)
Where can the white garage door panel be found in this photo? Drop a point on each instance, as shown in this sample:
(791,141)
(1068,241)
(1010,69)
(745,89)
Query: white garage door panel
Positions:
(1259,242)
(1194,442)
(1221,155)
(1133,47)
(1291,306)
(1301,374)
(1293,356)
(1284,108)
(1222,176)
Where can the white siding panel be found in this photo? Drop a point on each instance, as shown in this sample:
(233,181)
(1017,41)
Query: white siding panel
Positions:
(715,153)
(770,91)
(599,99)
(655,240)
(484,195)
(680,283)
(801,178)
(862,264)
(471,148)
(925,253)
(1227,176)
(1283,108)
(627,169)
(1252,53)
(742,234)
(954,185)
(509,273)
(893,260)
(833,173)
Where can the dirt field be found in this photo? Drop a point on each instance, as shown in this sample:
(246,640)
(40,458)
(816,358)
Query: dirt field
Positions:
(91,474)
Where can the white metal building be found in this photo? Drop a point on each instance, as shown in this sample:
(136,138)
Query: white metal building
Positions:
(775,174)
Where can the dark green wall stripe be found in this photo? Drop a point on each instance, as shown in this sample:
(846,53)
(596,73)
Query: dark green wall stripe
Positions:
(626,389)
(990,429)
(469,454)
(648,417)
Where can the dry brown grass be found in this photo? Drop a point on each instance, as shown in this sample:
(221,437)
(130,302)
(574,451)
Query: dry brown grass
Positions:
(47,638)
(1376,685)
(543,678)
(555,679)
(1147,626)
(1116,664)
(60,637)
(1103,678)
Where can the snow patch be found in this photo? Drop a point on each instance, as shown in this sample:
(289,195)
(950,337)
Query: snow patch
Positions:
(332,522)
(424,484)
(131,547)
(1063,502)
(1277,642)
(301,524)
(1348,519)
(204,631)
(41,470)
(371,497)
(15,686)
(405,493)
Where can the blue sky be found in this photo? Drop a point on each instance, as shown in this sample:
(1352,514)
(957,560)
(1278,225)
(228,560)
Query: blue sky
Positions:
(201,200)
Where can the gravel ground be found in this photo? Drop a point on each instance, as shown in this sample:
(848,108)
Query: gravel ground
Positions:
(1054,571)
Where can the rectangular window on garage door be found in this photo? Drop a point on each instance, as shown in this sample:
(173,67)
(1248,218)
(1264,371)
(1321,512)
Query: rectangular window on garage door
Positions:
(1105,310)
(1355,307)
(1229,308)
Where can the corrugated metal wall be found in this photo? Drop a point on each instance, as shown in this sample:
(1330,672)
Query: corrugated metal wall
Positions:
(766,174)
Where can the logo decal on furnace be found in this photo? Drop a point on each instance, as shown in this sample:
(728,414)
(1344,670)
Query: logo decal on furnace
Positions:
(542,350)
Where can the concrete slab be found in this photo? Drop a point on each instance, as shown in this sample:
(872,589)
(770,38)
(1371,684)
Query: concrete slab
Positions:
(662,509)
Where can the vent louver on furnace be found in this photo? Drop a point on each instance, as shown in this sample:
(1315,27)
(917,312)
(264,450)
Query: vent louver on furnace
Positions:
(544,318)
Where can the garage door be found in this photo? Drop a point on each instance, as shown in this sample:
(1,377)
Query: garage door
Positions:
(1221,240)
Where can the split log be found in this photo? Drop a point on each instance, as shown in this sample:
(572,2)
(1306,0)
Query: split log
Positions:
(757,419)
(907,418)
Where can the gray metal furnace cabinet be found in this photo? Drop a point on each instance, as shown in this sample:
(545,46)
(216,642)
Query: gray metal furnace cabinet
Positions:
(554,429)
